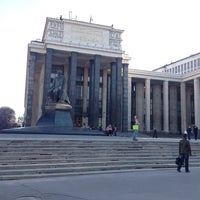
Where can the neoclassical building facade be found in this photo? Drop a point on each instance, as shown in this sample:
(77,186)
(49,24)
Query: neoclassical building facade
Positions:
(102,88)
(91,58)
(167,102)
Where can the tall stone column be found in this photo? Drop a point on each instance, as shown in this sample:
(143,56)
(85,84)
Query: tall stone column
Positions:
(147,104)
(104,98)
(166,106)
(197,101)
(183,107)
(47,76)
(91,93)
(85,92)
(157,107)
(97,59)
(113,100)
(109,103)
(173,107)
(125,99)
(72,81)
(129,102)
(188,105)
(30,89)
(140,104)
(94,92)
(119,94)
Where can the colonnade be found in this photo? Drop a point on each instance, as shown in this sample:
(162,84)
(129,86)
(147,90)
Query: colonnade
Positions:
(109,92)
(165,102)
(165,105)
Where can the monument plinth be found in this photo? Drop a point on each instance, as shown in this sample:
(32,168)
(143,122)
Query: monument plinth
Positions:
(56,114)
(55,120)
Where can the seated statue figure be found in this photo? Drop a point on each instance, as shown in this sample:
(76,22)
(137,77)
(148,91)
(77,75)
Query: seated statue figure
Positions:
(57,92)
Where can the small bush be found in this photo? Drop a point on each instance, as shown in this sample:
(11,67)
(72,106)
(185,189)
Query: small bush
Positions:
(7,118)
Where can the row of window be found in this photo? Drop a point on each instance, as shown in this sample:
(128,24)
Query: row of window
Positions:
(185,67)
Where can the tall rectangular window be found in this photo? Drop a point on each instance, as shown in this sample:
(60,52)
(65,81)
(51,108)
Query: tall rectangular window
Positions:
(79,92)
(191,65)
(178,68)
(80,73)
(181,68)
(184,67)
(188,66)
(198,63)
(195,64)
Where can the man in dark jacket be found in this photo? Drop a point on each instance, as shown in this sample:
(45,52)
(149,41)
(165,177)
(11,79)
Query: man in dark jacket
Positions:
(184,152)
(189,132)
(195,131)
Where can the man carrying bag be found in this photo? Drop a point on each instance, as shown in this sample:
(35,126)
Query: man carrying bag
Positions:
(184,153)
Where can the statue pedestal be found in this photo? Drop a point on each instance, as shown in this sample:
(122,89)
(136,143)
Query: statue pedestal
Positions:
(56,120)
(56,114)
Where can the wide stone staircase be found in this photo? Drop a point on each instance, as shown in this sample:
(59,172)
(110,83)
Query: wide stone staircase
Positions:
(22,159)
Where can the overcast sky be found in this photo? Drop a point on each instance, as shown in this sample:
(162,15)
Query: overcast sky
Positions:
(156,32)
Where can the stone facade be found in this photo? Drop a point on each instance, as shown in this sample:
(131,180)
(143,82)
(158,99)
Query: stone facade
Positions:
(90,56)
(101,87)
(167,102)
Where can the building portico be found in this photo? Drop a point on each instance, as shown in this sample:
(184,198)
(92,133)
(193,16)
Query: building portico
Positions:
(93,70)
(165,102)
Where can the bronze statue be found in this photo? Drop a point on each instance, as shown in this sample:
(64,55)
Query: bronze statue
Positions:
(57,92)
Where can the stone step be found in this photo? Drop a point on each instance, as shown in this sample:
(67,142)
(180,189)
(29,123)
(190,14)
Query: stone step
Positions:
(39,173)
(81,167)
(74,168)
(33,158)
(92,144)
(84,163)
(72,158)
(9,160)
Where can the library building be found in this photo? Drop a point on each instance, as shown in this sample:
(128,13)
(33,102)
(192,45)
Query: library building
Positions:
(101,87)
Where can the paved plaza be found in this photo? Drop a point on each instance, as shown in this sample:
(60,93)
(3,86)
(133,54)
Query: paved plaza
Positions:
(140,185)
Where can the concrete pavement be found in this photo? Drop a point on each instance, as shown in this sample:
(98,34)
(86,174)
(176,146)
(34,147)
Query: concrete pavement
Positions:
(139,185)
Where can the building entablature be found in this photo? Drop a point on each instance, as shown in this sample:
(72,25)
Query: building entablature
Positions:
(84,55)
(83,49)
(135,73)
(191,76)
(37,47)
(83,36)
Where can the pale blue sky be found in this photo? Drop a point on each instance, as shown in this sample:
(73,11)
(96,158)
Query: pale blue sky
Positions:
(156,32)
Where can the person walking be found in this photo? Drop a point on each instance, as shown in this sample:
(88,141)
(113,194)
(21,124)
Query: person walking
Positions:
(195,131)
(135,128)
(189,132)
(184,153)
(114,130)
(155,135)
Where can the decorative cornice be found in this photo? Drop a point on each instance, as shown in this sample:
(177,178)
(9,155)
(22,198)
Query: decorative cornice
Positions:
(73,33)
(136,73)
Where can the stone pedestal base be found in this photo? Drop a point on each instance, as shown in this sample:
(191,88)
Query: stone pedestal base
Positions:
(56,120)
(56,115)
